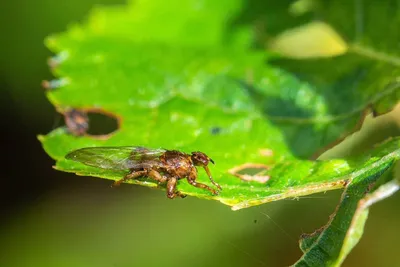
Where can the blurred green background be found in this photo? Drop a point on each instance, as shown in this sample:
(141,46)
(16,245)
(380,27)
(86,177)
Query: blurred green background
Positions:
(51,218)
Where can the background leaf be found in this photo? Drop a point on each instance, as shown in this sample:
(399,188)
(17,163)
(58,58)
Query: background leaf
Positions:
(331,244)
(366,75)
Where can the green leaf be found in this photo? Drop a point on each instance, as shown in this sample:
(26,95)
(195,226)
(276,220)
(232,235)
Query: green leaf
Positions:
(291,178)
(330,245)
(194,90)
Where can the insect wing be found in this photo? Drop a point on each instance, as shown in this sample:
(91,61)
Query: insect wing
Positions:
(116,158)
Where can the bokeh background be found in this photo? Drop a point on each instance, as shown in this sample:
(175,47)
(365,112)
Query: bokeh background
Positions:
(49,218)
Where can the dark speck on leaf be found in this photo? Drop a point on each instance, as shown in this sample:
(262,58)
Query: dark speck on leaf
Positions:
(215,130)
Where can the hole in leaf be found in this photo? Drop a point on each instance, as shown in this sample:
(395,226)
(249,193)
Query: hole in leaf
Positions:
(101,124)
(251,172)
(93,122)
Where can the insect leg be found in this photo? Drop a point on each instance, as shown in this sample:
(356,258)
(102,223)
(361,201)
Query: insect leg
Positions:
(211,179)
(131,175)
(171,185)
(193,182)
(171,189)
(155,175)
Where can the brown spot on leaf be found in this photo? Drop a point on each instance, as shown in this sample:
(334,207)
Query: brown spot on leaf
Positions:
(339,183)
(56,60)
(313,234)
(52,62)
(46,84)
(54,84)
(251,172)
(77,121)
(92,122)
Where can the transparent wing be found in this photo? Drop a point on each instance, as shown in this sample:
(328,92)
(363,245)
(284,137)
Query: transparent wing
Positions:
(117,158)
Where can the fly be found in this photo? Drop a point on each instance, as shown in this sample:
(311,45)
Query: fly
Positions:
(161,165)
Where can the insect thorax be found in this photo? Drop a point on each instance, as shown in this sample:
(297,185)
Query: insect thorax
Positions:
(177,164)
